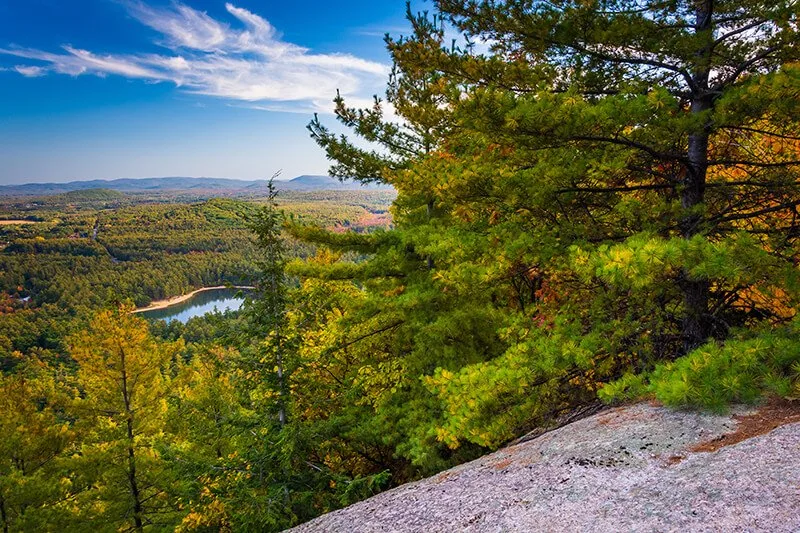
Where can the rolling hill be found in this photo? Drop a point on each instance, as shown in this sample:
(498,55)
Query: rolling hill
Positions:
(173,184)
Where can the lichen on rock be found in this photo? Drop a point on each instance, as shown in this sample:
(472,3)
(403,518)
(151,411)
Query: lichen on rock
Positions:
(633,468)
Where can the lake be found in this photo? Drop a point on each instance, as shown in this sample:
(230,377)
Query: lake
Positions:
(199,304)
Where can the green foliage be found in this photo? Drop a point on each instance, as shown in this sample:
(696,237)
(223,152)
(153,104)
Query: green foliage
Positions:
(207,415)
(603,205)
(643,260)
(124,377)
(91,195)
(36,435)
(609,187)
(716,375)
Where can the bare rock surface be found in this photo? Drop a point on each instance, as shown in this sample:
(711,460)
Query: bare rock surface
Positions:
(626,469)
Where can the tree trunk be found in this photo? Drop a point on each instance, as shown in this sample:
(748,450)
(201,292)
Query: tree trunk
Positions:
(4,514)
(281,381)
(429,212)
(138,524)
(137,504)
(696,323)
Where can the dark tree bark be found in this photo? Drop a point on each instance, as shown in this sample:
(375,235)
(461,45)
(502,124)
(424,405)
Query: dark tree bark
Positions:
(3,514)
(696,324)
(138,523)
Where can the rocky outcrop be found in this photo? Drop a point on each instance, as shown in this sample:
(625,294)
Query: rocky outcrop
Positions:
(634,468)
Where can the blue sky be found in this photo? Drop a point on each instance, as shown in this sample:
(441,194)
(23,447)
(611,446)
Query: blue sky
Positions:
(126,88)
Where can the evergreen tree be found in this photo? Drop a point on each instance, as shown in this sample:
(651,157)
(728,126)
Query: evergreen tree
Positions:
(697,99)
(418,97)
(615,184)
(407,319)
(268,310)
(206,414)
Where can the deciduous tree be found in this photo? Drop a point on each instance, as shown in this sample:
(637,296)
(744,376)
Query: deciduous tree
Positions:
(124,377)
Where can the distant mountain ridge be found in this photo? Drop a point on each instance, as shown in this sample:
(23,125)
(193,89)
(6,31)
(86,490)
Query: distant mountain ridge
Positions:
(173,184)
(309,182)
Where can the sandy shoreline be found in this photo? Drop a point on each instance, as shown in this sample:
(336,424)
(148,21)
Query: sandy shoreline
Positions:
(17,222)
(161,304)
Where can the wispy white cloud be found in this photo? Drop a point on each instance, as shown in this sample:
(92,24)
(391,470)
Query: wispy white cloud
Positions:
(249,63)
(30,71)
(181,26)
(74,61)
(380,30)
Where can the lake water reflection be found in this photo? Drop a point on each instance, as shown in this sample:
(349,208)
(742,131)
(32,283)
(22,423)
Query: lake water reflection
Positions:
(201,303)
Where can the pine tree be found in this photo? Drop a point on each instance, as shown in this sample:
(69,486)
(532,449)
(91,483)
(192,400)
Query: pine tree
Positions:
(408,319)
(268,310)
(206,415)
(681,88)
(417,97)
(615,184)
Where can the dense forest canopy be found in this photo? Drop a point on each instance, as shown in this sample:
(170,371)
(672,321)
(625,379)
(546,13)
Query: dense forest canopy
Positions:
(596,200)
